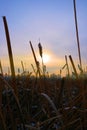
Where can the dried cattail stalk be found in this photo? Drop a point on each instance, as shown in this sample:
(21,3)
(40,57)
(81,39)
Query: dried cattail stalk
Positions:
(50,102)
(77,34)
(80,68)
(63,66)
(22,65)
(61,92)
(1,68)
(33,68)
(10,55)
(70,57)
(67,65)
(36,62)
(33,53)
(9,47)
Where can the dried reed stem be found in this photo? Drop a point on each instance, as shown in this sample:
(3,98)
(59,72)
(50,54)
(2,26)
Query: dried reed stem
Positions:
(36,62)
(22,65)
(50,102)
(9,47)
(33,68)
(10,53)
(70,57)
(1,68)
(77,34)
(67,65)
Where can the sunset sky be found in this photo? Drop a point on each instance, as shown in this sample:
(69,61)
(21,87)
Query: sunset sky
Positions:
(49,21)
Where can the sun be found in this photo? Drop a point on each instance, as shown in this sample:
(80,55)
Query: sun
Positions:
(46,58)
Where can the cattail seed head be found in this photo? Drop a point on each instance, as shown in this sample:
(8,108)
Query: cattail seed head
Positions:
(40,49)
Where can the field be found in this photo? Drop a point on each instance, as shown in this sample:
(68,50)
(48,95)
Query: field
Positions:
(41,101)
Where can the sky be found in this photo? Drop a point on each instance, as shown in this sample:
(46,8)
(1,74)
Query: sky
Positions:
(49,21)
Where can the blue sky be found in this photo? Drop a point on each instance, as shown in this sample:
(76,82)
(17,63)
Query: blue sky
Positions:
(51,21)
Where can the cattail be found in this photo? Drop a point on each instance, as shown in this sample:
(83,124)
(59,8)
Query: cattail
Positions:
(10,55)
(33,68)
(33,53)
(63,66)
(22,66)
(70,57)
(1,68)
(80,68)
(41,54)
(77,34)
(67,65)
(36,62)
(9,47)
(50,102)
(40,49)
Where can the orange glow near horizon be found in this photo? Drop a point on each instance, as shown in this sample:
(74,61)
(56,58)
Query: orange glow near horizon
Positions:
(53,63)
(49,59)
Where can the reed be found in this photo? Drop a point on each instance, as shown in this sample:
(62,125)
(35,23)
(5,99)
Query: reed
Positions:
(1,68)
(77,34)
(9,47)
(10,54)
(22,66)
(33,69)
(70,57)
(67,66)
(36,62)
(50,102)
